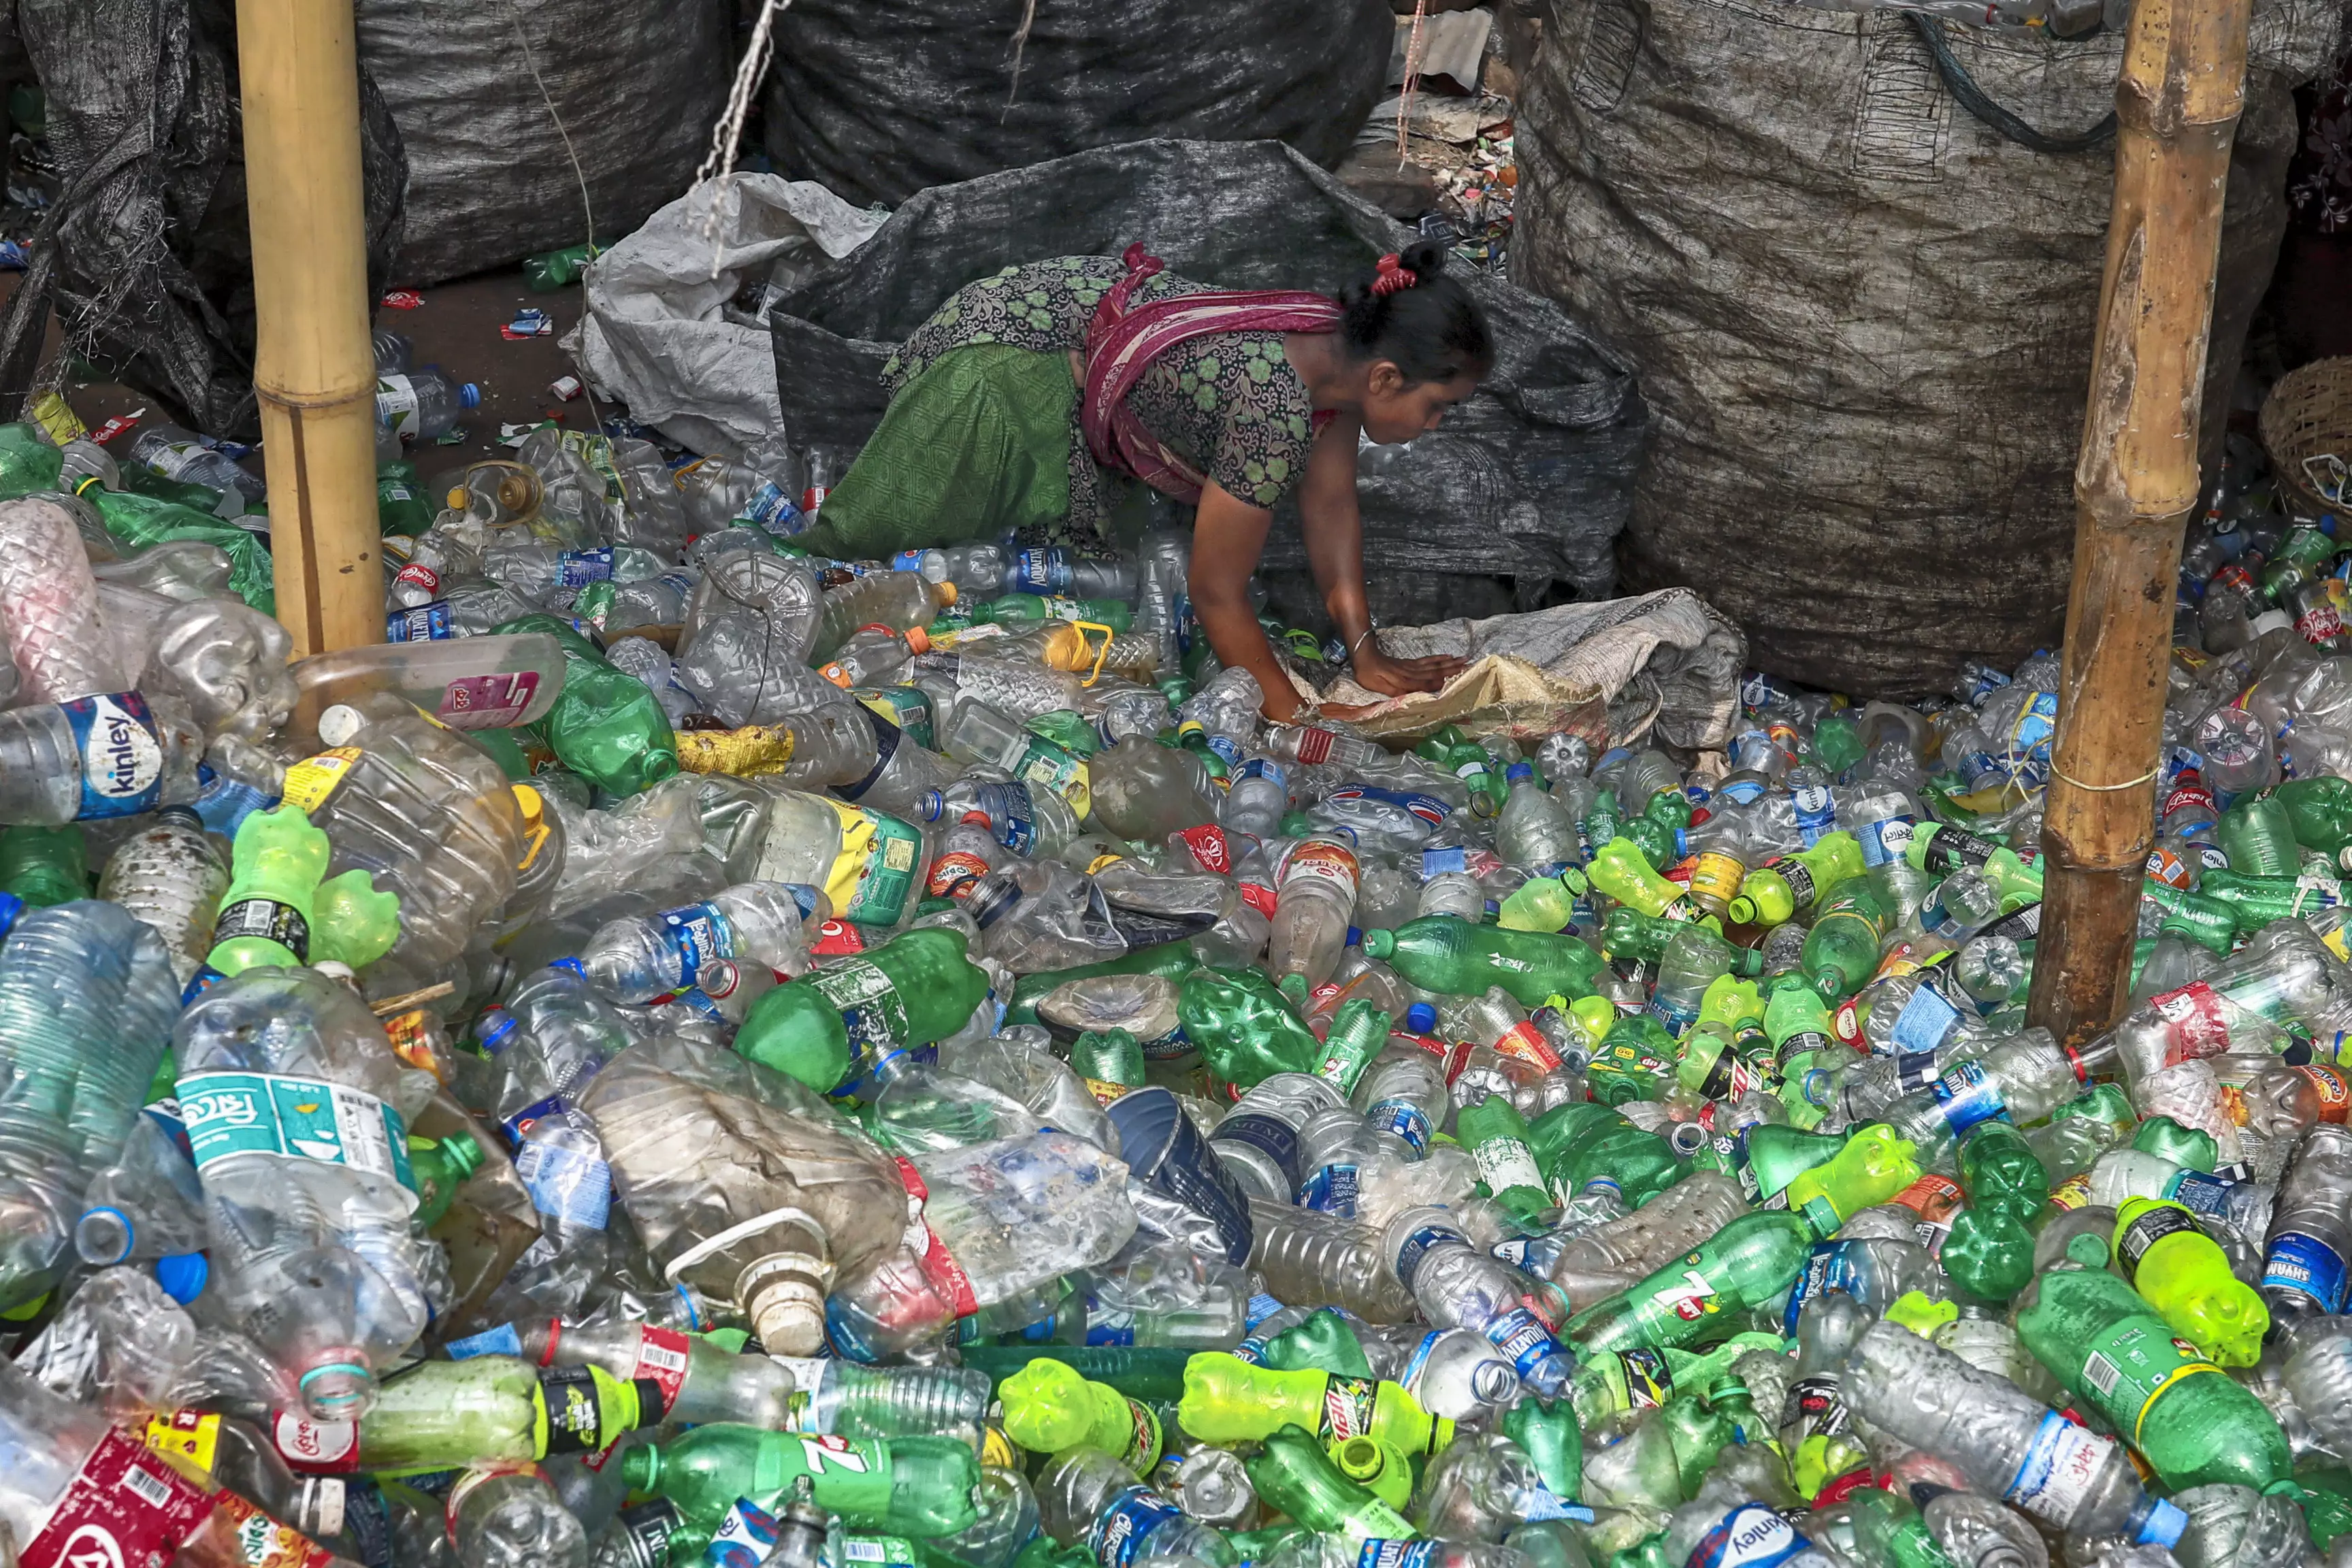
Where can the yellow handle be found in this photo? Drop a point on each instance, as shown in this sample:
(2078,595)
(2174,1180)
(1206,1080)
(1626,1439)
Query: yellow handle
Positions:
(1101,654)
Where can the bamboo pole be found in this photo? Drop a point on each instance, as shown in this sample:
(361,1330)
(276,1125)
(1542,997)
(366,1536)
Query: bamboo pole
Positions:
(2177,107)
(314,371)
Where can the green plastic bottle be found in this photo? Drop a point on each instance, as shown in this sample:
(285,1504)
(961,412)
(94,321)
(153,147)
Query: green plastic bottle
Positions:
(1379,1470)
(2190,1148)
(352,923)
(2257,833)
(1622,869)
(1840,953)
(2184,1274)
(1578,1144)
(1438,953)
(1540,904)
(1637,1378)
(1108,1059)
(142,522)
(441,1166)
(1152,1373)
(1768,1156)
(1324,1342)
(1627,932)
(832,1026)
(1031,609)
(1797,1022)
(1496,1136)
(1169,960)
(265,915)
(1050,1408)
(1939,849)
(918,1487)
(2321,810)
(1785,886)
(1836,744)
(45,866)
(1293,1475)
(2212,917)
(1546,1431)
(1702,1293)
(1873,1166)
(1360,1031)
(1990,1248)
(606,726)
(400,504)
(1245,1028)
(1226,1400)
(493,1408)
(2193,1424)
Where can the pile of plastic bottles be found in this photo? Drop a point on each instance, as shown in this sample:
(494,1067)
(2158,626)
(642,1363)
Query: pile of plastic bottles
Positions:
(696,1054)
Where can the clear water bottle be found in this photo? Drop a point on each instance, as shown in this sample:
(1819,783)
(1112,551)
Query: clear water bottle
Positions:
(1088,1497)
(1258,1140)
(182,455)
(423,403)
(1459,1286)
(87,1000)
(1314,898)
(509,1516)
(637,959)
(171,876)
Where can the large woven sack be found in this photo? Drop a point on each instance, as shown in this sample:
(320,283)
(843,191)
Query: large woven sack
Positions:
(878,100)
(635,87)
(1863,315)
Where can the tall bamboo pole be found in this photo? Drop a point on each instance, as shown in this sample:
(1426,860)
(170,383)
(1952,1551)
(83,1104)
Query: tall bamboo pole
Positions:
(314,370)
(2177,111)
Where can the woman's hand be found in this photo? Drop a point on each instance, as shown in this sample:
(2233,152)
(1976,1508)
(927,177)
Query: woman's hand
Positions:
(1376,671)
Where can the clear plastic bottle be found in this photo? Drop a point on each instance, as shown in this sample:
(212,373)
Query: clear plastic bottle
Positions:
(1535,831)
(1086,1498)
(1459,1286)
(1257,800)
(1020,688)
(312,1250)
(1312,1259)
(171,877)
(146,1204)
(2310,1241)
(902,601)
(1625,1252)
(1258,1140)
(1403,1095)
(1311,743)
(49,605)
(869,864)
(637,959)
(845,1399)
(509,1516)
(176,454)
(87,1000)
(423,403)
(1315,903)
(2010,1444)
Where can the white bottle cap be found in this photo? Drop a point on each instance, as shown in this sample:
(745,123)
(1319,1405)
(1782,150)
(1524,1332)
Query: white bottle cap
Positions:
(2272,621)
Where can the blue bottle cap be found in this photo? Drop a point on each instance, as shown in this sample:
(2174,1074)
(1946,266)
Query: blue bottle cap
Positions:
(1518,770)
(1419,1018)
(183,1276)
(2165,1523)
(470,396)
(1355,936)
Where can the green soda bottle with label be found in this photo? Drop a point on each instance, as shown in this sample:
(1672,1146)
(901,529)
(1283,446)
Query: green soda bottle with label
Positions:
(1578,1144)
(1439,953)
(2184,1274)
(605,726)
(1050,1408)
(1841,951)
(1226,1400)
(1293,1474)
(1496,1136)
(495,1408)
(265,916)
(920,1486)
(400,505)
(1777,891)
(832,1025)
(2194,1424)
(1699,1294)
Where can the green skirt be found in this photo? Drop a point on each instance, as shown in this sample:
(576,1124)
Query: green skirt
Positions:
(977,446)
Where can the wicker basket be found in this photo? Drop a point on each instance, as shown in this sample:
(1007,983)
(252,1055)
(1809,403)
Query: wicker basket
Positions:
(2307,425)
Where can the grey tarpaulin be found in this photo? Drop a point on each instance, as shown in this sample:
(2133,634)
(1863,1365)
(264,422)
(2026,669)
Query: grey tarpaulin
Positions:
(1525,479)
(635,84)
(1864,317)
(674,327)
(146,259)
(877,101)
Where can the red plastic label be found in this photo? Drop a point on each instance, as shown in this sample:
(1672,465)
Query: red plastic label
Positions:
(1524,1042)
(1208,845)
(836,938)
(661,1358)
(124,1509)
(488,701)
(317,1447)
(2195,1013)
(1259,897)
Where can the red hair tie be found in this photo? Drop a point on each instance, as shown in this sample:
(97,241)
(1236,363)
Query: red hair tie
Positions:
(1392,276)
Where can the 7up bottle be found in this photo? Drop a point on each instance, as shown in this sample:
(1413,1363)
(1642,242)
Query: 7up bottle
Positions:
(1702,1293)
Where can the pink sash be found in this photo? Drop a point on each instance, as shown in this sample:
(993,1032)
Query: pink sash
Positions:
(1121,343)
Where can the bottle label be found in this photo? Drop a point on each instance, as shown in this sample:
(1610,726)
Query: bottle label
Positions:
(1404,1118)
(1969,1095)
(192,1435)
(1926,1020)
(2147,1228)
(1751,1536)
(1690,1297)
(953,873)
(320,1447)
(1396,1554)
(646,1530)
(2132,1364)
(1888,840)
(426,623)
(123,1506)
(396,404)
(1647,1381)
(1012,815)
(578,568)
(2305,1264)
(567,1184)
(1348,1407)
(308,783)
(1314,744)
(488,701)
(2196,1019)
(2333,1087)
(1523,1041)
(1799,878)
(1416,1248)
(901,708)
(1831,1268)
(575,1411)
(875,871)
(1914,1070)
(1504,1162)
(1331,1190)
(1727,1077)
(233,1113)
(1815,816)
(2061,1466)
(1817,1407)
(743,1539)
(1269,1135)
(416,574)
(938,1264)
(1044,571)
(868,1001)
(1321,860)
(1120,1535)
(1949,849)
(260,1540)
(1525,1340)
(700,935)
(1208,847)
(121,754)
(269,921)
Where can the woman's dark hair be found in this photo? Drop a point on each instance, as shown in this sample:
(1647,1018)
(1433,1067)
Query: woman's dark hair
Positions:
(1432,330)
